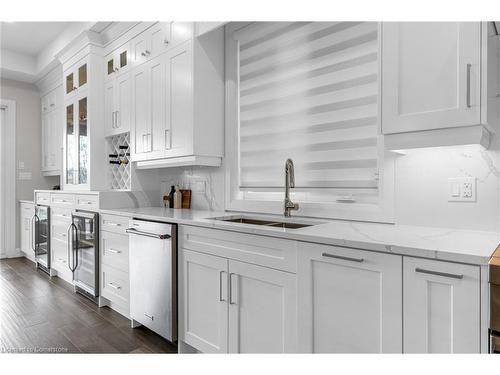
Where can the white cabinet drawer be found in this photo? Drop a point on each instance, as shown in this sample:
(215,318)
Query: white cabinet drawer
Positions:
(27,210)
(115,285)
(114,223)
(265,251)
(59,256)
(42,198)
(59,231)
(87,202)
(114,250)
(58,214)
(62,200)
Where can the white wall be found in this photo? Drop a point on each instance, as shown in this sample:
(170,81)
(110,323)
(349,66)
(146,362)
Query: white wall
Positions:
(28,135)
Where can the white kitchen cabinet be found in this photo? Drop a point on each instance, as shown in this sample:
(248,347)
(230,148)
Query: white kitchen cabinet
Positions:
(349,301)
(117,102)
(27,210)
(204,295)
(437,76)
(117,62)
(148,109)
(237,307)
(441,311)
(51,129)
(182,121)
(159,38)
(84,157)
(262,309)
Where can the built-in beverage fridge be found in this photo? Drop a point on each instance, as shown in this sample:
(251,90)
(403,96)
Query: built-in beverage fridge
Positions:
(83,253)
(40,241)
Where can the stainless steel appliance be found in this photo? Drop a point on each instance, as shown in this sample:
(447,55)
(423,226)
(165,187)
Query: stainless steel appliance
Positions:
(83,253)
(153,276)
(495,302)
(40,241)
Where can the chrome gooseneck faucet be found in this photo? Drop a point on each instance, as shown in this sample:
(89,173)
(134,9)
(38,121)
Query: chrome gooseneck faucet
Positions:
(289,183)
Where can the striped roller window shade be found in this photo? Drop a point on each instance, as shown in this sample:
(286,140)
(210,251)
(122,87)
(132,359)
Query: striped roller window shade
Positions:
(308,91)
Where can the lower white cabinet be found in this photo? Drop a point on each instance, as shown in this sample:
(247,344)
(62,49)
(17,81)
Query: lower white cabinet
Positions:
(26,230)
(236,307)
(204,295)
(441,307)
(349,301)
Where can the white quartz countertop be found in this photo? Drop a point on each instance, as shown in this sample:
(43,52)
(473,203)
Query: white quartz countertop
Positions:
(465,246)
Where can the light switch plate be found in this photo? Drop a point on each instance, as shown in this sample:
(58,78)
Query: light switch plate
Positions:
(462,189)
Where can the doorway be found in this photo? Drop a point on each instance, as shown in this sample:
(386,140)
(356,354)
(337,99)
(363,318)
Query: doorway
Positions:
(7,178)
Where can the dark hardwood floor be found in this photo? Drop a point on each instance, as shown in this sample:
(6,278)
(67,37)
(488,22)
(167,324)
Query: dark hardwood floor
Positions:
(40,314)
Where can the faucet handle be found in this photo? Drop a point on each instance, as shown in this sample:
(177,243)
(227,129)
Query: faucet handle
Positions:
(295,206)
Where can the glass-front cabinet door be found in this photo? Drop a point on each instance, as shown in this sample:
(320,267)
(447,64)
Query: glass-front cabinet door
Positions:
(71,149)
(77,142)
(83,142)
(76,77)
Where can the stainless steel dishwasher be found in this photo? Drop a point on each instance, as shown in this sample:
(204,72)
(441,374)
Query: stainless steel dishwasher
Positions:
(153,276)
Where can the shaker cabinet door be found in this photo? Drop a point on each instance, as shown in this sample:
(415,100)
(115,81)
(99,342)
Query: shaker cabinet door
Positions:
(441,307)
(430,75)
(262,309)
(204,295)
(349,301)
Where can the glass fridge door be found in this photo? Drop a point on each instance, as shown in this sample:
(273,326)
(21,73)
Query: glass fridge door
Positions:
(86,273)
(42,235)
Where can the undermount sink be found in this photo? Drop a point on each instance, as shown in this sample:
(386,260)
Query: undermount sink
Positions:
(263,222)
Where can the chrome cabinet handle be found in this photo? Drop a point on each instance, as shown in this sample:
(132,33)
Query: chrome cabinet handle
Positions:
(469,66)
(114,224)
(113,119)
(145,53)
(166,41)
(437,273)
(149,316)
(114,286)
(359,260)
(52,104)
(115,70)
(114,251)
(231,301)
(221,298)
(116,120)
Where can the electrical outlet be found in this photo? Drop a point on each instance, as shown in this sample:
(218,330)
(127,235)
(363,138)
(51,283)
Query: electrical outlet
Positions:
(462,189)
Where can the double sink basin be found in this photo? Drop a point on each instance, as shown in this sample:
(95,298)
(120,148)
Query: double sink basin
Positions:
(267,222)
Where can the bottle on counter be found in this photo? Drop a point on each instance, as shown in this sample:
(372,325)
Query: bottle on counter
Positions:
(165,200)
(171,197)
(177,198)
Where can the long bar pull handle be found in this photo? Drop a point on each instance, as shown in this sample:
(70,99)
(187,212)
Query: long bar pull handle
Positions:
(114,251)
(221,297)
(359,260)
(70,246)
(114,286)
(32,234)
(231,300)
(147,234)
(149,316)
(469,67)
(437,273)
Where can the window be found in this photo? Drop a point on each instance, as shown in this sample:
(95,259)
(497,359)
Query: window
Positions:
(307,91)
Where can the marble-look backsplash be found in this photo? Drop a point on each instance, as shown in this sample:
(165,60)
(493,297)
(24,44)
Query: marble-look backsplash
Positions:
(421,187)
(206,184)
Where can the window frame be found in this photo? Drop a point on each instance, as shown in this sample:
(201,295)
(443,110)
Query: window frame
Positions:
(382,211)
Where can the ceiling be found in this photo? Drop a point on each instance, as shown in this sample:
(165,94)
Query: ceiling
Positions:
(29,38)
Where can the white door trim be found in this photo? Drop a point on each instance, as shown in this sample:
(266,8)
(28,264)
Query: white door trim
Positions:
(8,180)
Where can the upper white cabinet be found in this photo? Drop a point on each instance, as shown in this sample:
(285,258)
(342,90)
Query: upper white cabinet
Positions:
(84,148)
(52,125)
(178,103)
(117,62)
(117,104)
(349,301)
(436,75)
(441,311)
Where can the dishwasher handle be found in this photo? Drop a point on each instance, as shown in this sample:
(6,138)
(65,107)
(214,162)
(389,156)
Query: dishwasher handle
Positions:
(148,234)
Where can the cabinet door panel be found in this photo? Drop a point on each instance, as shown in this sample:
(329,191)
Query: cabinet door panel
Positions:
(159,35)
(138,48)
(262,310)
(109,107)
(123,103)
(179,99)
(205,309)
(349,300)
(156,136)
(441,312)
(431,75)
(140,110)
